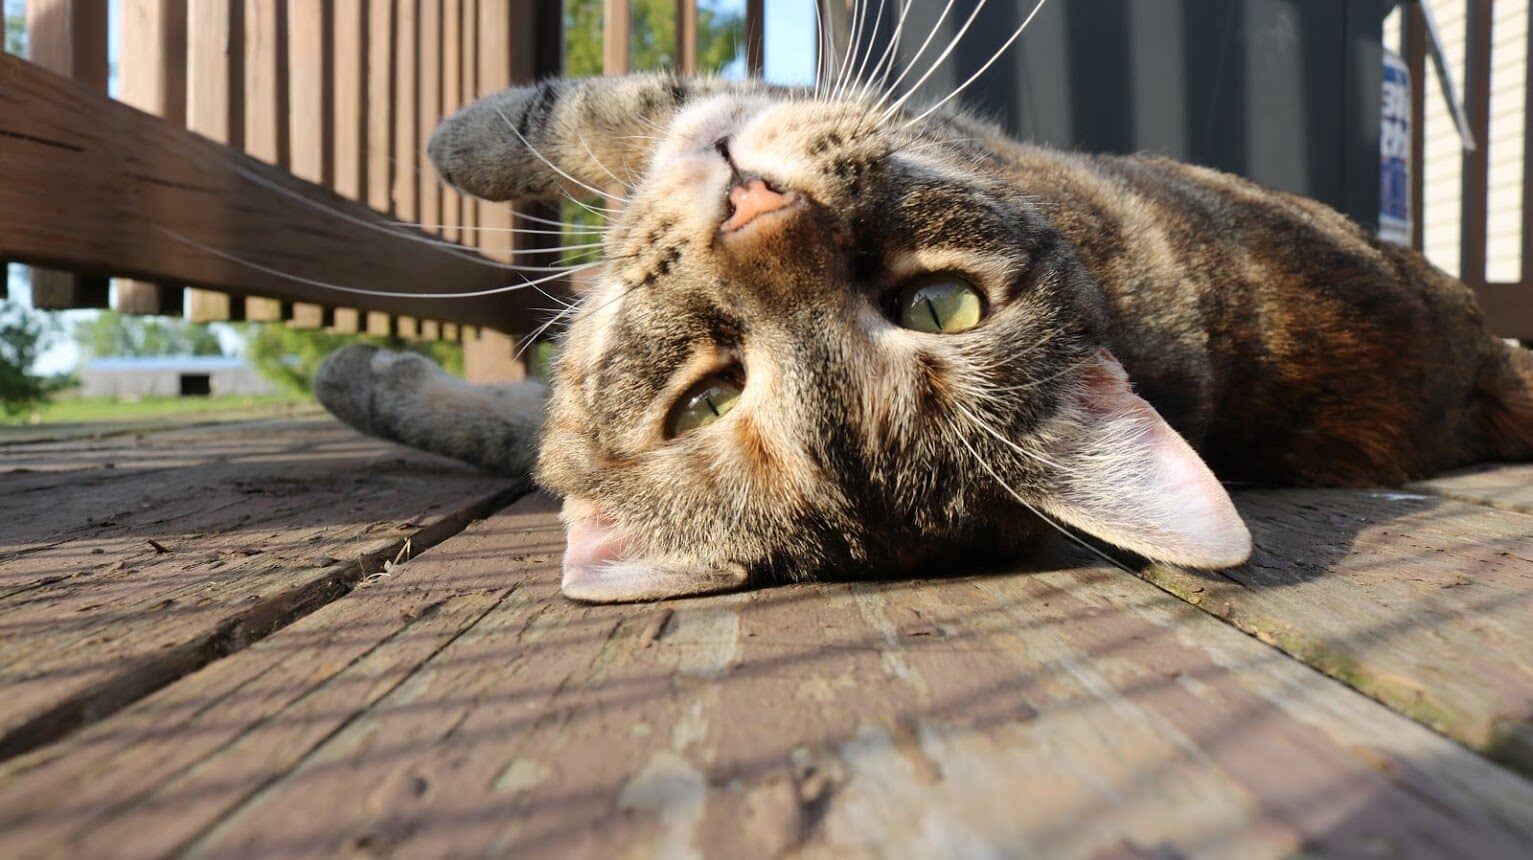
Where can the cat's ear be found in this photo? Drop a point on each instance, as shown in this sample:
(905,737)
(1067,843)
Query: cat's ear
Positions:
(1131,480)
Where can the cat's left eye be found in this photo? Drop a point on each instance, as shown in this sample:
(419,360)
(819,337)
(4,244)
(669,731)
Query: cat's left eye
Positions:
(940,305)
(704,403)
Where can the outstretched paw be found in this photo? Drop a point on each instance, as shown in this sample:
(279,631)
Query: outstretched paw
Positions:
(360,383)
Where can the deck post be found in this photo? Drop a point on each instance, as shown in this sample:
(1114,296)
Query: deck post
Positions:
(69,37)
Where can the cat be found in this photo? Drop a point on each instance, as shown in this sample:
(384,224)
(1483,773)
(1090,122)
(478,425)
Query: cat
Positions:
(831,340)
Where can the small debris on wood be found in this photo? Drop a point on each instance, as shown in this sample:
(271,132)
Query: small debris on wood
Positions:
(159,548)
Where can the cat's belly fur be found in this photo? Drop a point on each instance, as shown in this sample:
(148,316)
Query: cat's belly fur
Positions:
(1282,341)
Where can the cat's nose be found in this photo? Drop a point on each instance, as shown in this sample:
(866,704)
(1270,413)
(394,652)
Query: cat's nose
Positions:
(753,201)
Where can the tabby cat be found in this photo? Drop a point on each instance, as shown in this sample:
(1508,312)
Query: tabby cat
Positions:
(829,340)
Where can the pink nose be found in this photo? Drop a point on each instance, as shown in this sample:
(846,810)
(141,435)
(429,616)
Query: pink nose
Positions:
(753,200)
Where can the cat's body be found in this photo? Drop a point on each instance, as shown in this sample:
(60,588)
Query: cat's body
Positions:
(772,252)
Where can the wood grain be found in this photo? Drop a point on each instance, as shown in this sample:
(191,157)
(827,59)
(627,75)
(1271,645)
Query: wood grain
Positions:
(69,37)
(462,707)
(95,185)
(1509,487)
(1423,603)
(130,562)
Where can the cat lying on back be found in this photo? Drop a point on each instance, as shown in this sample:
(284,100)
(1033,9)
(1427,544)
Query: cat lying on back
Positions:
(828,344)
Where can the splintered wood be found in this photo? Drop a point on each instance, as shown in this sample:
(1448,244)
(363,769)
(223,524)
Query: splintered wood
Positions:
(461,706)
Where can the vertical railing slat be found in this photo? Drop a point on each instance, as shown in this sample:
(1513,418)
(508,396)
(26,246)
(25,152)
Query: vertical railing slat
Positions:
(310,91)
(755,37)
(406,105)
(452,99)
(1476,180)
(1527,170)
(468,73)
(213,110)
(686,36)
(153,76)
(348,118)
(1416,63)
(617,31)
(430,83)
(379,146)
(493,74)
(69,37)
(266,108)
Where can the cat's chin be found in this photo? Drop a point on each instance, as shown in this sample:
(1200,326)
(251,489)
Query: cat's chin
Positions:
(644,579)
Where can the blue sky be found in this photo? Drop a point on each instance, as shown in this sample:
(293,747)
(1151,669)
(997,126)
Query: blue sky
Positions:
(789,60)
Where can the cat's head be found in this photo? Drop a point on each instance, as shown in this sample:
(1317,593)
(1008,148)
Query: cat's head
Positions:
(824,343)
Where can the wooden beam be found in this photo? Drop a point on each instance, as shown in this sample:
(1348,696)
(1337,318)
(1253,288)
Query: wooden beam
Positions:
(755,37)
(617,31)
(266,114)
(686,36)
(468,73)
(348,107)
(430,330)
(1508,308)
(489,357)
(97,186)
(1476,177)
(346,321)
(379,324)
(69,37)
(1527,175)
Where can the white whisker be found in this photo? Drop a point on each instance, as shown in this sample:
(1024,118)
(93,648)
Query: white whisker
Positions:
(911,64)
(936,64)
(357,291)
(988,63)
(554,167)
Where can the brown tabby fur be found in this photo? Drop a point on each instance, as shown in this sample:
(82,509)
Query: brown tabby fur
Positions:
(1276,336)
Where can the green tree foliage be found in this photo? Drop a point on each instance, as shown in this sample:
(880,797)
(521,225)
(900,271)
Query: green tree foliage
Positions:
(720,35)
(15,29)
(290,357)
(110,334)
(24,335)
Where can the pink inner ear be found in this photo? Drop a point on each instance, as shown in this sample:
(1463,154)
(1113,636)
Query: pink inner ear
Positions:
(1133,481)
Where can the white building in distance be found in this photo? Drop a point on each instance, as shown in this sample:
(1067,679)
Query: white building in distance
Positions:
(172,376)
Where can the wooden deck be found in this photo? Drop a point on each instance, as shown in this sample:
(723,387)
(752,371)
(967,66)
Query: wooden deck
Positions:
(281,639)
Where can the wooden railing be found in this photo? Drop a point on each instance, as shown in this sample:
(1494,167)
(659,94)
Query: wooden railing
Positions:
(271,151)
(1508,305)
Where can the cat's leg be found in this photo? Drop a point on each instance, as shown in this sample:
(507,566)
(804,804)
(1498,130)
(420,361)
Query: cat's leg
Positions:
(405,397)
(566,135)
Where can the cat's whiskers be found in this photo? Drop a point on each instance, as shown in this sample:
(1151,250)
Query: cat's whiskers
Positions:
(851,48)
(911,63)
(605,169)
(554,167)
(875,79)
(937,63)
(1017,34)
(857,78)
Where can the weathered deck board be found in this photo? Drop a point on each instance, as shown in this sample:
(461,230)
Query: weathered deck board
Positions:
(1509,487)
(1422,602)
(127,563)
(462,707)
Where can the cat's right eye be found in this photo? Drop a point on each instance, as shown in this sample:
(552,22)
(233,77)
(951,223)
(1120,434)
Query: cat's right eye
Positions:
(941,305)
(703,404)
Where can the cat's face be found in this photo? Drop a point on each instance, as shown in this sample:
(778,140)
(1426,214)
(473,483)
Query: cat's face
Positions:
(825,345)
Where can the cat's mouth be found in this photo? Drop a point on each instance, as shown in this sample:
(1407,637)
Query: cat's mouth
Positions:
(600,564)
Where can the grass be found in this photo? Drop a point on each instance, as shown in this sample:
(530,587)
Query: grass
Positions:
(90,410)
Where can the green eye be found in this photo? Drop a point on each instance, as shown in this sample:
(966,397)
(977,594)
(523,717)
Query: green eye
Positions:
(946,305)
(705,403)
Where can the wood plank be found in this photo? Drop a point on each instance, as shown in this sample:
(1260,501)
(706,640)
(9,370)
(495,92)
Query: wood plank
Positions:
(1476,171)
(380,102)
(494,73)
(96,184)
(69,37)
(461,707)
(406,106)
(617,31)
(153,75)
(686,36)
(755,38)
(1421,602)
(310,88)
(429,80)
(452,99)
(215,110)
(1509,487)
(115,584)
(348,117)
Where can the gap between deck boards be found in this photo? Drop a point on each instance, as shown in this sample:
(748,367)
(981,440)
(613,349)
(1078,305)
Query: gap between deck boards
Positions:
(260,621)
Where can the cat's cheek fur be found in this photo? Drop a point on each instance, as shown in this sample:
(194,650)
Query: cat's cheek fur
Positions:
(1132,481)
